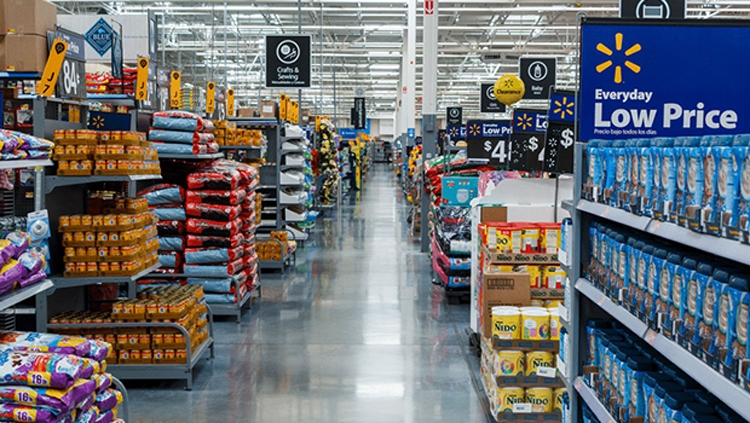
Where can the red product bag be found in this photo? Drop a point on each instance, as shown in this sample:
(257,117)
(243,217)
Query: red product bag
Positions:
(195,241)
(170,227)
(230,198)
(213,228)
(217,212)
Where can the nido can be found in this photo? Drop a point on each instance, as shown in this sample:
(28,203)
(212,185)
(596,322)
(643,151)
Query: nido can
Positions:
(507,396)
(554,323)
(506,323)
(559,395)
(537,359)
(510,363)
(535,324)
(540,399)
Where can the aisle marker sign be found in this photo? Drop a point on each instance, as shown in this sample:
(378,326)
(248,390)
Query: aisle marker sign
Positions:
(638,79)
(230,102)
(487,141)
(210,97)
(288,61)
(528,139)
(559,151)
(46,86)
(539,75)
(141,80)
(488,103)
(175,79)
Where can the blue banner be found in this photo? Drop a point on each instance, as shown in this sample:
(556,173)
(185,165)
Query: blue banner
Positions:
(529,121)
(348,133)
(488,129)
(457,132)
(671,79)
(100,121)
(562,106)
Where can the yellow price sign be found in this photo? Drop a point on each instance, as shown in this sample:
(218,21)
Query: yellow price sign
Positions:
(174,89)
(210,97)
(46,86)
(141,80)
(230,102)
(282,107)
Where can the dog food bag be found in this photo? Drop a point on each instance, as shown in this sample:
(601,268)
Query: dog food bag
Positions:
(195,241)
(103,382)
(19,242)
(108,400)
(51,343)
(57,400)
(213,255)
(171,243)
(215,212)
(170,227)
(213,228)
(40,369)
(229,198)
(705,301)
(170,212)
(217,270)
(163,194)
(170,259)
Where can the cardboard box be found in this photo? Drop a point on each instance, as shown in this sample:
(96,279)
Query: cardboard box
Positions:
(27,17)
(459,190)
(269,109)
(248,112)
(23,53)
(511,289)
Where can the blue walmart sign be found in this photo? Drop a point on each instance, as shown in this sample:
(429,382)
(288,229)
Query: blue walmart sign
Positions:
(562,107)
(99,36)
(529,121)
(457,132)
(676,79)
(489,129)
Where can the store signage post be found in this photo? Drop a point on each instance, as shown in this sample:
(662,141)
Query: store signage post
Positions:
(630,87)
(141,80)
(488,141)
(174,89)
(72,80)
(539,75)
(454,116)
(46,87)
(488,103)
(359,113)
(528,139)
(288,61)
(559,148)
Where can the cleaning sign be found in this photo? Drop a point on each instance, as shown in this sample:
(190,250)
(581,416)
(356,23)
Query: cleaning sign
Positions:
(657,80)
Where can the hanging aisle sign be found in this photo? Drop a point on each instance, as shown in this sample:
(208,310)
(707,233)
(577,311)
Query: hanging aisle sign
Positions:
(654,79)
(488,103)
(528,139)
(230,102)
(288,61)
(559,148)
(210,97)
(141,80)
(175,78)
(72,80)
(454,116)
(488,141)
(456,132)
(46,87)
(652,9)
(538,75)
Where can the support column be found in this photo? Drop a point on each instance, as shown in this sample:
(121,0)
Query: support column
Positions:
(429,105)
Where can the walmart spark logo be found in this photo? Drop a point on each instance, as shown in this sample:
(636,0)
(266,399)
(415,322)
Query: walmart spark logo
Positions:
(475,129)
(98,122)
(453,132)
(635,48)
(564,107)
(524,122)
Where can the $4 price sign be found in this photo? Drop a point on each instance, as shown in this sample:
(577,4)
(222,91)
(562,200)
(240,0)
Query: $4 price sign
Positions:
(559,153)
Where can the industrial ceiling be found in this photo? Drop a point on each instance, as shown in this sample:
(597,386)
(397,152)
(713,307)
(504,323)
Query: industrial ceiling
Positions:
(358,44)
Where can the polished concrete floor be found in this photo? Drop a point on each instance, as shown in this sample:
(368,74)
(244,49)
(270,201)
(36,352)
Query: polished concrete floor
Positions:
(355,332)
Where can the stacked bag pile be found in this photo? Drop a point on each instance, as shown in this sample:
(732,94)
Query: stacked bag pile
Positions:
(24,265)
(207,228)
(19,146)
(178,132)
(220,227)
(50,378)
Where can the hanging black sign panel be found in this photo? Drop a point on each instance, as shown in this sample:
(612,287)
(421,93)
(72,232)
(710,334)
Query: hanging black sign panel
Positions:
(538,75)
(528,139)
(558,153)
(72,80)
(288,63)
(488,102)
(359,114)
(454,116)
(487,141)
(652,9)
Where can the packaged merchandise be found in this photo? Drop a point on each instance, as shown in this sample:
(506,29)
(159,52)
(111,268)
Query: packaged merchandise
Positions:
(510,363)
(194,241)
(707,298)
(541,399)
(163,194)
(217,270)
(739,320)
(213,255)
(168,148)
(213,228)
(166,136)
(536,359)
(231,198)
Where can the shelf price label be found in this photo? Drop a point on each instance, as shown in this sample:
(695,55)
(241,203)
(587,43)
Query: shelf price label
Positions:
(230,102)
(174,89)
(141,80)
(283,106)
(210,97)
(46,87)
(546,372)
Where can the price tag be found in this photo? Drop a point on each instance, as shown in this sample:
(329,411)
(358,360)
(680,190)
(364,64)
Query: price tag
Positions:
(655,225)
(546,372)
(522,407)
(651,336)
(210,97)
(46,86)
(282,107)
(578,384)
(174,89)
(230,102)
(141,81)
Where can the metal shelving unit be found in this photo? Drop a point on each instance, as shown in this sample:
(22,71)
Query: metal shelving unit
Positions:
(732,394)
(157,371)
(220,309)
(208,156)
(53,181)
(22,164)
(14,297)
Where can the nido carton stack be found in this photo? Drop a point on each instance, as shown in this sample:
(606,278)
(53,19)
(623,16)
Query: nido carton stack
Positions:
(23,34)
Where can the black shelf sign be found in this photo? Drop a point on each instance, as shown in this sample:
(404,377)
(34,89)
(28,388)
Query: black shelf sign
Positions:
(288,62)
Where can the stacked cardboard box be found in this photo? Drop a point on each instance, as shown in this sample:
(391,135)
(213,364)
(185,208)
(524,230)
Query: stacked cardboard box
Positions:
(23,34)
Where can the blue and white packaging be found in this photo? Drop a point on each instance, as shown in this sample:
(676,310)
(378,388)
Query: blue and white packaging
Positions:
(667,153)
(622,173)
(695,183)
(646,170)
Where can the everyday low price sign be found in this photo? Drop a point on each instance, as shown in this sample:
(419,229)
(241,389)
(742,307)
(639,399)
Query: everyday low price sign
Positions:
(487,141)
(649,79)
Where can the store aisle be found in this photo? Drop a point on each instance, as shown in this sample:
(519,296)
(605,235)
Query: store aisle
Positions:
(356,334)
